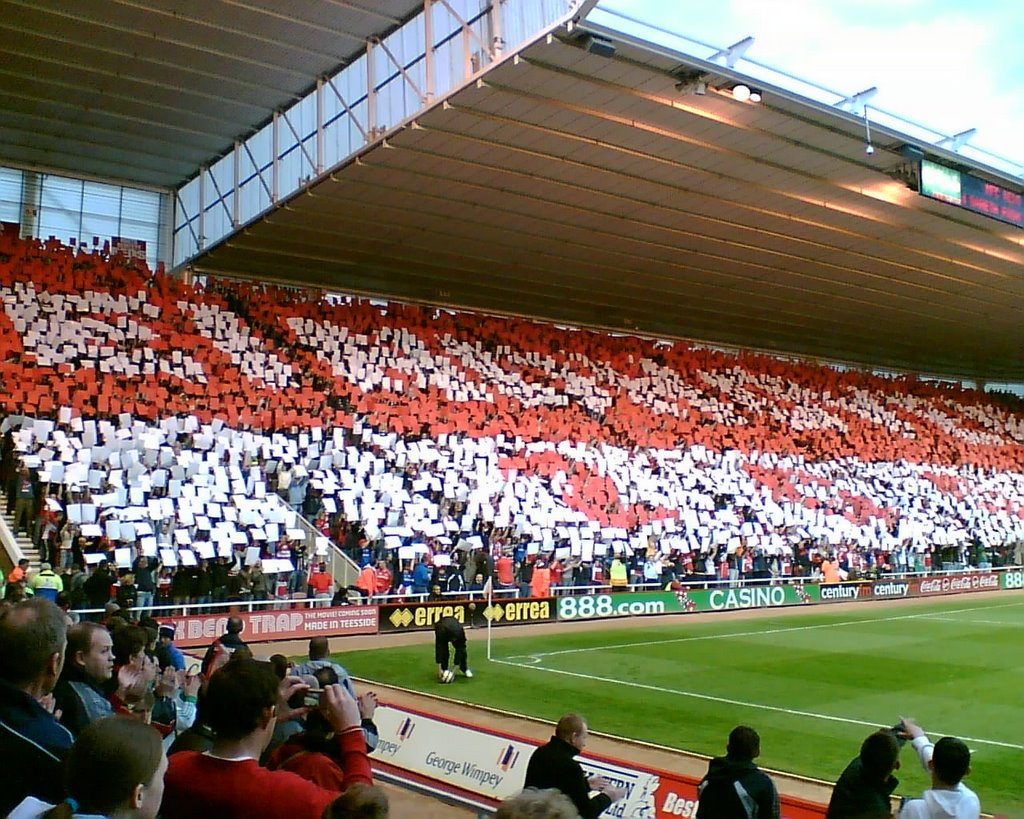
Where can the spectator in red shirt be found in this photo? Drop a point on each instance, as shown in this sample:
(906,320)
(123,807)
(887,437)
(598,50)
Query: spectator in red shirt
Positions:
(243,702)
(322,584)
(557,571)
(367,582)
(504,567)
(18,572)
(382,578)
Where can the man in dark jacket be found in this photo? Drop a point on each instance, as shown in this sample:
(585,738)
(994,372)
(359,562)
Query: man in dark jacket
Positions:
(224,646)
(734,787)
(97,586)
(863,790)
(81,692)
(447,631)
(554,766)
(32,743)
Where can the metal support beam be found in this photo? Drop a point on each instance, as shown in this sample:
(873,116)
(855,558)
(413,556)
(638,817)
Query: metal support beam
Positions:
(348,111)
(188,219)
(400,67)
(275,151)
(202,207)
(495,14)
(31,198)
(259,173)
(299,142)
(732,54)
(371,94)
(856,102)
(428,45)
(319,125)
(235,202)
(467,31)
(220,198)
(957,141)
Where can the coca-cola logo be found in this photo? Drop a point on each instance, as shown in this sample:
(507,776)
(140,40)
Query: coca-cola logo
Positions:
(960,583)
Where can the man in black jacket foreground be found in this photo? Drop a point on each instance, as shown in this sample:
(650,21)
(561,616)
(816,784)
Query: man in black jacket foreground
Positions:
(864,788)
(734,787)
(553,766)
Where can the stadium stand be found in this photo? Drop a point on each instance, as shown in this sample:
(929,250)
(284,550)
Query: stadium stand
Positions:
(169,412)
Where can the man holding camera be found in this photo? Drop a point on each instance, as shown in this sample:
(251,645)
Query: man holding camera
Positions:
(864,788)
(244,699)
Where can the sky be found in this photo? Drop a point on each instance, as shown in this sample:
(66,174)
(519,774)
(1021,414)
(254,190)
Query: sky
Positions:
(947,64)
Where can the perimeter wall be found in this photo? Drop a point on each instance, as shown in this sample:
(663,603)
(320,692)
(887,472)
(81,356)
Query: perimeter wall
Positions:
(296,624)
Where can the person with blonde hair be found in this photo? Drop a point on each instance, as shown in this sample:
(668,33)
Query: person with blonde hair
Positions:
(537,804)
(359,801)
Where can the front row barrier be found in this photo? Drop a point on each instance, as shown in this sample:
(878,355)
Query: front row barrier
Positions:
(485,763)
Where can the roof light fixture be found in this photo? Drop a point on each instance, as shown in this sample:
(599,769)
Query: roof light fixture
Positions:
(744,93)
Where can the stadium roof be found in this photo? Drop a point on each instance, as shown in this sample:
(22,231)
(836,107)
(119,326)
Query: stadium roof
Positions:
(146,92)
(591,190)
(566,185)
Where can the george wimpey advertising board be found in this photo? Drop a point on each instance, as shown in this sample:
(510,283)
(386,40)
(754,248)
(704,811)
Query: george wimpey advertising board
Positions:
(492,765)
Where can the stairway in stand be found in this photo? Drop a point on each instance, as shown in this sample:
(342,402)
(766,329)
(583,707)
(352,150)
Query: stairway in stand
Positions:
(24,541)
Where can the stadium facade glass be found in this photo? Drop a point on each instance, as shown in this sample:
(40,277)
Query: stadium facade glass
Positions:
(342,115)
(79,211)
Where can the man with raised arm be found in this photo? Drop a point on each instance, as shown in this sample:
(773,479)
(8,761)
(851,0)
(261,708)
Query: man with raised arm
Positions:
(947,762)
(242,704)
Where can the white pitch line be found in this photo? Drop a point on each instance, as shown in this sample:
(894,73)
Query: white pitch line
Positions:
(694,639)
(726,701)
(966,622)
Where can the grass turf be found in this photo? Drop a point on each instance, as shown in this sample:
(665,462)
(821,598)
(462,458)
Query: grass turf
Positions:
(814,685)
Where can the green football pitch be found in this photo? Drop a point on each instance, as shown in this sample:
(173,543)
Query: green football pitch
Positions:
(813,684)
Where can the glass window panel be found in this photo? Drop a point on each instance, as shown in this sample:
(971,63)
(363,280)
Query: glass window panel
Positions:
(60,208)
(10,195)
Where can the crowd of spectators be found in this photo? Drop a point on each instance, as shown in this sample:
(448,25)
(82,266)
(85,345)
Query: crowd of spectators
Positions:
(98,721)
(193,425)
(162,441)
(90,713)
